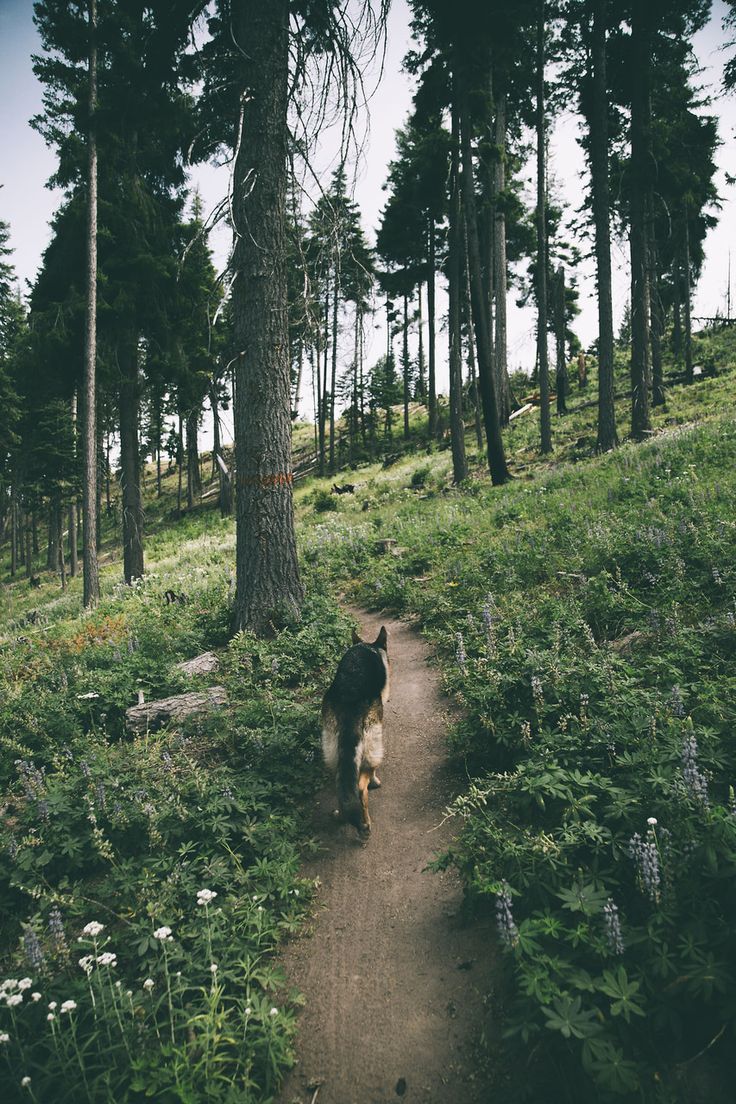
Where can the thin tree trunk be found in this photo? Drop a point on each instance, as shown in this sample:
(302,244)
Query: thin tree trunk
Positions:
(686,299)
(640,153)
(542,361)
(333,385)
(216,442)
(598,126)
(500,281)
(29,547)
(677,308)
(34,528)
(60,542)
(269,591)
(496,457)
(108,501)
(298,381)
(421,391)
(559,324)
(132,507)
(159,435)
(406,367)
(657,326)
(73,502)
(454,271)
(322,385)
(14,532)
(179,465)
(52,555)
(90,486)
(431,349)
(194,481)
(471,349)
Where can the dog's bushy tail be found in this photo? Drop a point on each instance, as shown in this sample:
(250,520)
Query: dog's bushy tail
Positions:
(348,796)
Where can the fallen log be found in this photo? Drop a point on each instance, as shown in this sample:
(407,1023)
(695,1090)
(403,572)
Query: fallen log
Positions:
(201,665)
(153,715)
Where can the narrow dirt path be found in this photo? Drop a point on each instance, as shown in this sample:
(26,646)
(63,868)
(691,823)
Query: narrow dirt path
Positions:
(395,980)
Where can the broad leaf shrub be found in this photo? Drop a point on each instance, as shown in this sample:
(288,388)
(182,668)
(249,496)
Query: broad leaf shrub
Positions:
(586,622)
(146,881)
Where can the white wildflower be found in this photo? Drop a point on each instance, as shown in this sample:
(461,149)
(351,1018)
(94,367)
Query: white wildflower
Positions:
(274,1012)
(50,1016)
(248,1010)
(213,968)
(8,985)
(24,983)
(162,933)
(148,984)
(108,958)
(35,996)
(52,1005)
(25,1082)
(93,928)
(68,1006)
(14,999)
(4,1037)
(88,696)
(86,963)
(651,821)
(204,896)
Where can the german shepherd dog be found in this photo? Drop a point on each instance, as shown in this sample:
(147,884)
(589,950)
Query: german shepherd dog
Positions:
(352,726)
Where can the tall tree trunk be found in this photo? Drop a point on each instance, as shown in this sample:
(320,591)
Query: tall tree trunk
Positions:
(496,456)
(406,366)
(322,384)
(298,380)
(559,324)
(421,389)
(159,434)
(361,383)
(542,361)
(90,496)
(640,157)
(52,554)
(333,383)
(194,481)
(431,334)
(179,464)
(686,299)
(471,350)
(14,531)
(657,325)
(500,281)
(59,513)
(29,545)
(269,591)
(34,527)
(598,127)
(132,506)
(454,276)
(677,308)
(216,442)
(72,516)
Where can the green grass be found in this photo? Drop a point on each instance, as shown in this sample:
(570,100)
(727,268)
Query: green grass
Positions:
(584,619)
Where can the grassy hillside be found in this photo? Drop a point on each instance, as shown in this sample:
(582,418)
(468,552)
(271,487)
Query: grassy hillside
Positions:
(584,617)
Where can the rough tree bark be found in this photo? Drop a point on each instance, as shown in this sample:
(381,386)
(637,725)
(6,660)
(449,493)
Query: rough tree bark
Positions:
(132,505)
(194,481)
(90,497)
(640,163)
(431,334)
(657,325)
(454,276)
(333,378)
(269,591)
(559,325)
(598,127)
(496,456)
(542,361)
(405,365)
(500,280)
(687,297)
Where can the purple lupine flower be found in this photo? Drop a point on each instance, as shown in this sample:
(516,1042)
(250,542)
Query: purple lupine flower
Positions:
(675,703)
(32,949)
(507,929)
(646,856)
(12,848)
(695,780)
(32,779)
(612,922)
(56,928)
(100,795)
(84,767)
(487,615)
(717,578)
(460,657)
(537,692)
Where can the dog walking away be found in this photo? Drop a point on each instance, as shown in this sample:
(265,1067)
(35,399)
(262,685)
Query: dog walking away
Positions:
(352,726)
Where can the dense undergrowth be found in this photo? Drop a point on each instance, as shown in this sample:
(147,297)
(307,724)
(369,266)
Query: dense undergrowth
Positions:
(586,621)
(584,616)
(177,996)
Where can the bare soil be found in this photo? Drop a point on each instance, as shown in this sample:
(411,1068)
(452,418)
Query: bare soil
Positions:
(398,982)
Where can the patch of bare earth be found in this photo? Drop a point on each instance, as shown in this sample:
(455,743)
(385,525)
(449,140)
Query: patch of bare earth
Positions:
(396,979)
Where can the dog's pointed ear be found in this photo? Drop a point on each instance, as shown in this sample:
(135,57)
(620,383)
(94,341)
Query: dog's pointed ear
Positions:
(381,640)
(356,638)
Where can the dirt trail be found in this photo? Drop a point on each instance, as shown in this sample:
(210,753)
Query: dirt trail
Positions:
(394,978)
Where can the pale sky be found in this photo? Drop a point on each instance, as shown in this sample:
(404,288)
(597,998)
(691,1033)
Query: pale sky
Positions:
(27,205)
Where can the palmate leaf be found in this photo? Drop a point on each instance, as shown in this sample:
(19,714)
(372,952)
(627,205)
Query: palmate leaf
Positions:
(622,992)
(583,897)
(568,1017)
(607,1065)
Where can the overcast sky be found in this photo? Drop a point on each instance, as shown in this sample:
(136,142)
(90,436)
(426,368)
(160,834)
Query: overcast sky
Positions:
(27,205)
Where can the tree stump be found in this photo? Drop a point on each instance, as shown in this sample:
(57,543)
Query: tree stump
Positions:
(153,715)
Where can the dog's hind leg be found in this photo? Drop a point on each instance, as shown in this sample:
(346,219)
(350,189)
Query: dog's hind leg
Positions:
(363,783)
(375,781)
